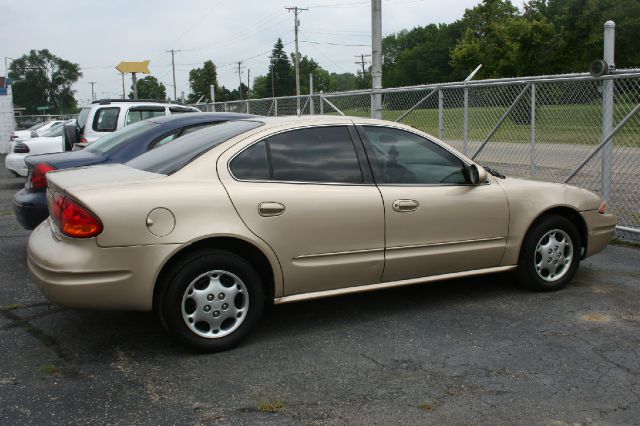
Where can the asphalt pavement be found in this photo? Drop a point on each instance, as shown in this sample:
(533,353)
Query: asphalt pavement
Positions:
(473,351)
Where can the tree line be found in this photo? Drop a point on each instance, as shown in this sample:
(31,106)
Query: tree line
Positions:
(545,37)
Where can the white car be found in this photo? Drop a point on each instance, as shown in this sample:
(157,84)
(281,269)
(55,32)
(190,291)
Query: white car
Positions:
(36,130)
(108,115)
(49,142)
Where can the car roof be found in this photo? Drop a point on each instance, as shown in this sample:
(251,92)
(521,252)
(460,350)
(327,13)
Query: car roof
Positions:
(318,120)
(198,117)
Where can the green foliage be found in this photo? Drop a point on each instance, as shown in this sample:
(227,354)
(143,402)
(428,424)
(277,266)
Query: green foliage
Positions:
(200,80)
(283,72)
(150,88)
(41,79)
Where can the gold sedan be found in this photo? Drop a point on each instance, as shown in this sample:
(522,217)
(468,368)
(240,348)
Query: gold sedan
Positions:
(207,229)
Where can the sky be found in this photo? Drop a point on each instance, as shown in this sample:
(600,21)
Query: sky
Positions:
(99,34)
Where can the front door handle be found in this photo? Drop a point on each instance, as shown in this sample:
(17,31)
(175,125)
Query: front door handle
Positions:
(268,209)
(405,205)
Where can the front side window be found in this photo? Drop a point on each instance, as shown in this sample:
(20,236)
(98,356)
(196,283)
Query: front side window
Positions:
(401,157)
(321,154)
(142,113)
(106,119)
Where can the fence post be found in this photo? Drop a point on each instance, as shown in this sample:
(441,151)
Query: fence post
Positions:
(275,104)
(248,112)
(465,124)
(607,111)
(311,109)
(440,114)
(533,129)
(321,103)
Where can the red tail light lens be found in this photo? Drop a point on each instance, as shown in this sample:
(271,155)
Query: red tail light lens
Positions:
(38,179)
(83,140)
(72,219)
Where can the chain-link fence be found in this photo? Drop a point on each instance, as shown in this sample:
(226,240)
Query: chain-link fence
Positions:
(570,128)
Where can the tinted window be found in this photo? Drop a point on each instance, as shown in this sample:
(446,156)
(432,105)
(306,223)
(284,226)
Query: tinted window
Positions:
(142,113)
(251,163)
(106,119)
(181,110)
(173,156)
(398,156)
(110,142)
(321,154)
(165,140)
(198,127)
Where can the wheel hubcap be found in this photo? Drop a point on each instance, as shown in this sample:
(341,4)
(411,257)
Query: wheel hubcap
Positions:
(215,304)
(553,256)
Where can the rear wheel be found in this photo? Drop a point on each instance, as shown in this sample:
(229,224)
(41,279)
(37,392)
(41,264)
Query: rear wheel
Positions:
(211,300)
(550,254)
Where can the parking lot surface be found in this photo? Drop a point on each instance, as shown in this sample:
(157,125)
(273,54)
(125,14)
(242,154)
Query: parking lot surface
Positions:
(479,351)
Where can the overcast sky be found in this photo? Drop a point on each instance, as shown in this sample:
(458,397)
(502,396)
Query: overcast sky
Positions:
(99,34)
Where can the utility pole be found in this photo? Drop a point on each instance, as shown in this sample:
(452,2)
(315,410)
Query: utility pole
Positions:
(376,58)
(173,66)
(93,96)
(240,78)
(124,96)
(362,62)
(248,78)
(273,93)
(296,11)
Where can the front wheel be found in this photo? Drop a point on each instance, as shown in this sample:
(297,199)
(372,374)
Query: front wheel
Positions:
(212,300)
(550,254)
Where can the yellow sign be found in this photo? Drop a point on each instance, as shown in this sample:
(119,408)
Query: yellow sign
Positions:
(125,67)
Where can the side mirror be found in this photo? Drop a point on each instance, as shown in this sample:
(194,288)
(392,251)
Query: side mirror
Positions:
(477,174)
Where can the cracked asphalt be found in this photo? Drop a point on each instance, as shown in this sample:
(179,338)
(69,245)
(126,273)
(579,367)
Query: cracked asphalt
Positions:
(479,351)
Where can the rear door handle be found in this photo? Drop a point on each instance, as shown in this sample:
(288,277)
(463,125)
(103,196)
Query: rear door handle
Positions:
(270,208)
(405,205)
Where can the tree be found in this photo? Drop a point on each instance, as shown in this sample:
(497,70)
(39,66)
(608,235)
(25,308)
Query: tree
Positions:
(343,82)
(200,80)
(281,71)
(150,88)
(41,79)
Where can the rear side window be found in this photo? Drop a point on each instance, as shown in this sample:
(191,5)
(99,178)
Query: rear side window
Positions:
(171,157)
(105,120)
(142,113)
(321,154)
(82,117)
(180,110)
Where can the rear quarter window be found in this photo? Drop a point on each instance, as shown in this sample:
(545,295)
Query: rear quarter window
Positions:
(106,119)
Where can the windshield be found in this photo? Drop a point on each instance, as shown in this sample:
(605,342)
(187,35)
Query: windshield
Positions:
(53,132)
(37,126)
(115,139)
(172,157)
(82,118)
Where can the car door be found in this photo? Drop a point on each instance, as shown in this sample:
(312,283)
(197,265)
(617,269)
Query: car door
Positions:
(304,193)
(436,221)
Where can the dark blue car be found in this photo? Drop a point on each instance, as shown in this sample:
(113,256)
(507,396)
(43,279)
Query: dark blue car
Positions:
(30,203)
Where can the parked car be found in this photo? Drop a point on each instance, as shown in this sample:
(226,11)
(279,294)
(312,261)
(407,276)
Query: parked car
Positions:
(30,203)
(108,115)
(49,142)
(36,130)
(205,231)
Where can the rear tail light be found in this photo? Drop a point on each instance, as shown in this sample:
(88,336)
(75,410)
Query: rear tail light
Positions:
(38,178)
(72,219)
(21,148)
(84,140)
(13,136)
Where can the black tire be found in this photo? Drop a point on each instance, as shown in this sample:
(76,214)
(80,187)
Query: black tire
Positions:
(217,264)
(532,266)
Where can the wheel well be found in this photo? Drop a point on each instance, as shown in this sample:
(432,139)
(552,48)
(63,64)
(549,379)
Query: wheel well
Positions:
(574,217)
(237,246)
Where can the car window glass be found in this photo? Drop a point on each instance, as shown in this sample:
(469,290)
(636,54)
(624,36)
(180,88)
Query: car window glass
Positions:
(106,119)
(251,163)
(197,127)
(320,154)
(402,157)
(164,140)
(181,110)
(110,142)
(171,157)
(140,114)
(82,117)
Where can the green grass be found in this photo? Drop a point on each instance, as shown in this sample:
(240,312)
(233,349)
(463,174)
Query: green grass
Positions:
(271,406)
(427,406)
(49,369)
(568,124)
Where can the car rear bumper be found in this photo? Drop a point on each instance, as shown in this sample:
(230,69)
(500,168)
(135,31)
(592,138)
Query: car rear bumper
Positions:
(78,273)
(15,162)
(30,208)
(600,230)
